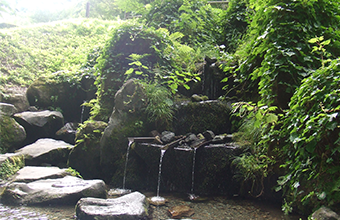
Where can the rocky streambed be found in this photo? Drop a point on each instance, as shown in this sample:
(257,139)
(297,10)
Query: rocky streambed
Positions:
(212,208)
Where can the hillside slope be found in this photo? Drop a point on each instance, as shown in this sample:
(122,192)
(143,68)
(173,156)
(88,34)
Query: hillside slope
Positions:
(29,52)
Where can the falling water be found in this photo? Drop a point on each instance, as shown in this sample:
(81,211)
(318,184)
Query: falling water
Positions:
(82,112)
(126,160)
(193,172)
(160,171)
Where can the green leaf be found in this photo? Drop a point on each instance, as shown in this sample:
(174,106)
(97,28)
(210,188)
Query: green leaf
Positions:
(129,71)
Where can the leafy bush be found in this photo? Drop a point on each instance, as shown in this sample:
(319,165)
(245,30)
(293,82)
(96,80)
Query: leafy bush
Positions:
(144,53)
(197,20)
(312,148)
(159,105)
(276,53)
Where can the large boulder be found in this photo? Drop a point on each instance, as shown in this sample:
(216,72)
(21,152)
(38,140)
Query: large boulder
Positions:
(46,151)
(12,134)
(196,117)
(85,156)
(66,190)
(127,120)
(128,207)
(53,93)
(42,124)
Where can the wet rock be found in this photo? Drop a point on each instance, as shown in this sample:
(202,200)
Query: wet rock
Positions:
(42,124)
(167,136)
(85,156)
(66,190)
(325,213)
(12,134)
(126,121)
(68,132)
(157,201)
(31,173)
(181,211)
(129,207)
(208,135)
(46,151)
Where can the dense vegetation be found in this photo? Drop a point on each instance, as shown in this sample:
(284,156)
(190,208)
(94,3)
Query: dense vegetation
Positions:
(281,58)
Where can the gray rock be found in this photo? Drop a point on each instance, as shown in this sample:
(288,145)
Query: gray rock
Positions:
(46,151)
(7,109)
(31,173)
(128,207)
(66,190)
(325,213)
(41,118)
(68,132)
(167,136)
(16,97)
(126,121)
(40,124)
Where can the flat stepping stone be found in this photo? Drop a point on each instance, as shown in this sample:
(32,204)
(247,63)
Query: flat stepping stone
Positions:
(128,207)
(46,151)
(32,173)
(66,190)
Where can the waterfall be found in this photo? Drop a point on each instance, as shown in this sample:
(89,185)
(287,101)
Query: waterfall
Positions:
(126,160)
(82,112)
(160,171)
(193,171)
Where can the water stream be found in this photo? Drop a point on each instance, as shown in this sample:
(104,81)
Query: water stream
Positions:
(82,112)
(193,171)
(126,160)
(160,171)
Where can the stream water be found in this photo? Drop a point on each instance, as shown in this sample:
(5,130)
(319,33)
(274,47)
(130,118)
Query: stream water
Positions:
(213,208)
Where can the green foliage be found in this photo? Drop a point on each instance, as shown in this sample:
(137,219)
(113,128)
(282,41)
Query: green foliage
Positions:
(276,53)
(73,172)
(255,163)
(10,166)
(30,52)
(311,129)
(235,20)
(149,54)
(197,20)
(159,106)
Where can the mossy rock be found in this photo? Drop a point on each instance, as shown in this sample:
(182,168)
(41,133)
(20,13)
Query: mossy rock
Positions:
(127,120)
(12,134)
(55,94)
(85,156)
(126,40)
(197,117)
(11,165)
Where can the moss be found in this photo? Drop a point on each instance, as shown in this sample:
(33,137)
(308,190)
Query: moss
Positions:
(11,165)
(10,132)
(198,117)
